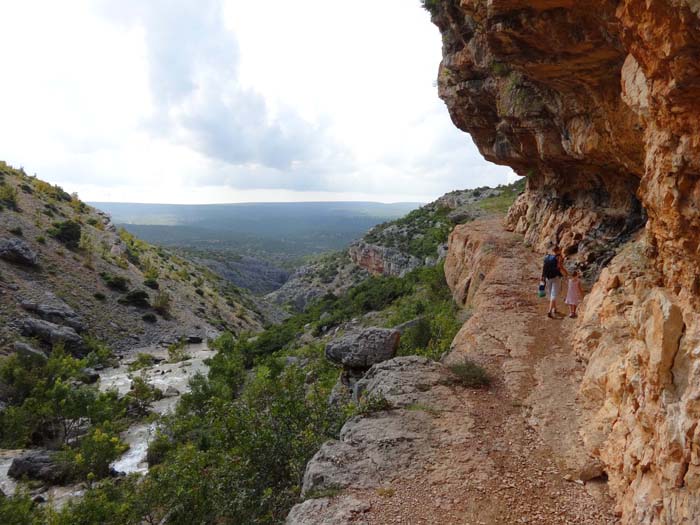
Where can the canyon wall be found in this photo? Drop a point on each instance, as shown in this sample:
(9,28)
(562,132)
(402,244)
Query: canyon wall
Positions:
(595,102)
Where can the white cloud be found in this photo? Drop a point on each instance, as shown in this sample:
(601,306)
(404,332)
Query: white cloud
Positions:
(215,101)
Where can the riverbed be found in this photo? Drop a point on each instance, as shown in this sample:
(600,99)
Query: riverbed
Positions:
(172,378)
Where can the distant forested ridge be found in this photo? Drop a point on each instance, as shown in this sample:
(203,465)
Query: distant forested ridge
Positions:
(292,229)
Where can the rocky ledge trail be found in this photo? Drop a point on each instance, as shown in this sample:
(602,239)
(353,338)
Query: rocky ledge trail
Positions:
(446,454)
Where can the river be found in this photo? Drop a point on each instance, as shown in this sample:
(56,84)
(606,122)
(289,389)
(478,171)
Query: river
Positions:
(172,377)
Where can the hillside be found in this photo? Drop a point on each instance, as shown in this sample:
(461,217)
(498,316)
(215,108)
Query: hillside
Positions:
(64,262)
(244,427)
(418,239)
(393,248)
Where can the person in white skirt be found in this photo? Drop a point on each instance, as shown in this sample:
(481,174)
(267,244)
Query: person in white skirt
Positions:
(574,294)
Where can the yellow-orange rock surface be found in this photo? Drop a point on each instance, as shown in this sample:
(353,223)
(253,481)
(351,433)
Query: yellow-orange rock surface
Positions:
(597,102)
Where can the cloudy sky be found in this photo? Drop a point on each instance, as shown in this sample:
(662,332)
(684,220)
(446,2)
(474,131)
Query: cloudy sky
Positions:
(197,101)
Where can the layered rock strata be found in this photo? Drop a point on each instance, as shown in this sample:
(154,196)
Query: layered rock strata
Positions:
(641,390)
(595,102)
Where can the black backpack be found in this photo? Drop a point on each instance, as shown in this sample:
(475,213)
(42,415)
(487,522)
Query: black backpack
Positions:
(550,269)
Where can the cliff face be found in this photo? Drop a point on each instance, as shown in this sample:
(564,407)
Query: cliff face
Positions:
(595,102)
(591,100)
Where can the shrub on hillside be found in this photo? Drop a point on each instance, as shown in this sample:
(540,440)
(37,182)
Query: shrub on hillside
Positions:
(470,374)
(115,282)
(8,195)
(162,303)
(138,298)
(66,232)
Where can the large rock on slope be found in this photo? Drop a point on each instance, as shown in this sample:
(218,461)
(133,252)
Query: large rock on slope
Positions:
(372,446)
(361,350)
(55,311)
(383,260)
(52,334)
(28,351)
(326,511)
(42,465)
(17,251)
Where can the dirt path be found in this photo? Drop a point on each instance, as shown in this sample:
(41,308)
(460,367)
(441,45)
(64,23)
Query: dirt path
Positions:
(523,454)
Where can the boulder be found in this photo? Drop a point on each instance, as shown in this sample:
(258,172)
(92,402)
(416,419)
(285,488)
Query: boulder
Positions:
(338,511)
(403,381)
(52,333)
(18,251)
(26,350)
(362,349)
(171,391)
(381,443)
(90,376)
(39,464)
(55,312)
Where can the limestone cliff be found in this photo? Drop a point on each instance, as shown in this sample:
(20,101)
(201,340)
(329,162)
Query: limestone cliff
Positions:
(595,102)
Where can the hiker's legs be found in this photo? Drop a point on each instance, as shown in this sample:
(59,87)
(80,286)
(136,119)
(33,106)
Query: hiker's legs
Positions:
(553,285)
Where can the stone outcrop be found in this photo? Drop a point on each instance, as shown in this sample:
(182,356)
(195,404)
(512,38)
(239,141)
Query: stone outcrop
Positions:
(19,252)
(595,102)
(373,445)
(641,390)
(55,311)
(325,511)
(383,260)
(398,247)
(362,349)
(52,334)
(592,101)
(356,352)
(40,465)
(26,350)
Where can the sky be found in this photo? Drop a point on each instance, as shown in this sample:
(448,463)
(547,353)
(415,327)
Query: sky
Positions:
(211,101)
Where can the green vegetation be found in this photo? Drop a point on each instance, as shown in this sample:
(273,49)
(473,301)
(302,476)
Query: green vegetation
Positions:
(115,282)
(151,283)
(138,298)
(49,406)
(430,5)
(142,395)
(419,233)
(67,232)
(500,69)
(8,195)
(502,202)
(470,374)
(142,360)
(161,303)
(431,310)
(177,351)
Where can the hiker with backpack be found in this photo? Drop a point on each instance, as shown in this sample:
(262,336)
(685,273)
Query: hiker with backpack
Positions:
(552,272)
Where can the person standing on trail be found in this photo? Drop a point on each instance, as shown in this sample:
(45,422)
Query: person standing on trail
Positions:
(552,272)
(574,293)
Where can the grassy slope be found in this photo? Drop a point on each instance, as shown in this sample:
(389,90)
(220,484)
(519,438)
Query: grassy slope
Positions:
(77,274)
